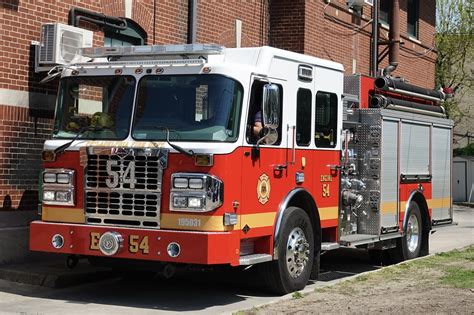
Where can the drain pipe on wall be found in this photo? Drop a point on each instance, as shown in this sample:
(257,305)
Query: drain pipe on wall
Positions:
(192,21)
(394,38)
(374,58)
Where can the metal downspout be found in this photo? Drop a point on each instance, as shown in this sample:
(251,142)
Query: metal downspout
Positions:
(374,64)
(394,38)
(192,21)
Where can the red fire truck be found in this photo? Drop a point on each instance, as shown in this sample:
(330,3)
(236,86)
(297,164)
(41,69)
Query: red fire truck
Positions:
(204,155)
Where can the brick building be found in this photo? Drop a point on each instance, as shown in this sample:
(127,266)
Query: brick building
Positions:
(329,31)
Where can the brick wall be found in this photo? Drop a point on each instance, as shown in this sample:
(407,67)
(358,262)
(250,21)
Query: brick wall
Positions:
(287,25)
(307,26)
(333,32)
(216,22)
(22,133)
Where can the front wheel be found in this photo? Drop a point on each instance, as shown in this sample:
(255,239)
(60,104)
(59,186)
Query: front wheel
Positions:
(292,270)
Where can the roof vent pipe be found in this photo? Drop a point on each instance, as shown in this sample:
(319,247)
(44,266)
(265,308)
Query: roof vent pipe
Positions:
(394,38)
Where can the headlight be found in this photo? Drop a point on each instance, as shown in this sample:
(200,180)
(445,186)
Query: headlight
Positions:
(196,183)
(180,183)
(54,197)
(64,178)
(49,195)
(195,192)
(195,202)
(58,187)
(58,176)
(49,177)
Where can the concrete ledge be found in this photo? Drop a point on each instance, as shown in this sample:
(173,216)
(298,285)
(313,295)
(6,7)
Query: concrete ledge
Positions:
(465,204)
(53,273)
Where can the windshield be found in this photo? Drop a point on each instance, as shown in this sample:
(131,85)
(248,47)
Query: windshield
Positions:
(97,107)
(191,107)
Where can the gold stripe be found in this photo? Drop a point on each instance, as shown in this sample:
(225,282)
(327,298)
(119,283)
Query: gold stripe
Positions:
(69,215)
(258,219)
(439,203)
(216,223)
(200,223)
(389,207)
(193,222)
(432,203)
(328,213)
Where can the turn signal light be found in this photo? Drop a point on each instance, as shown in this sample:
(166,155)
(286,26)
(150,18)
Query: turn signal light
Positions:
(48,156)
(203,159)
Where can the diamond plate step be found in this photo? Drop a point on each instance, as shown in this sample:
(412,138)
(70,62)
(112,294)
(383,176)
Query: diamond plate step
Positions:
(254,259)
(329,246)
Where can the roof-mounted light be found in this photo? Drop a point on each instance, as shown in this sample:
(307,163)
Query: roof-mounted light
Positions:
(154,50)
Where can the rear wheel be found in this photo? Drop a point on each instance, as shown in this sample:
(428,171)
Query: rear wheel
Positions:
(409,246)
(291,271)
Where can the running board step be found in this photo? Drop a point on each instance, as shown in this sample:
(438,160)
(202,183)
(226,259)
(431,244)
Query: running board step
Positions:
(254,259)
(329,246)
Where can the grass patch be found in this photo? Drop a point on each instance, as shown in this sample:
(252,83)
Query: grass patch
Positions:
(459,277)
(362,278)
(297,295)
(442,266)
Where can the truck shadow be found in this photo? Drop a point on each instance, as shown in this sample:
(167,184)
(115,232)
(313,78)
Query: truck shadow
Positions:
(206,291)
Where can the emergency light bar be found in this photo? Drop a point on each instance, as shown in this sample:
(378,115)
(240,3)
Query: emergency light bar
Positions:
(154,50)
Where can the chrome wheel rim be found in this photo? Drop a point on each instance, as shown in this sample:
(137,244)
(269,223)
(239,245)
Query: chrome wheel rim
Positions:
(297,252)
(413,233)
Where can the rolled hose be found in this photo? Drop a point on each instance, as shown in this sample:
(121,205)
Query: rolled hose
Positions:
(383,101)
(387,83)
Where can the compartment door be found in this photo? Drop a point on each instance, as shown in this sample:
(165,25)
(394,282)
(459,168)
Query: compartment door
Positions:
(389,174)
(441,181)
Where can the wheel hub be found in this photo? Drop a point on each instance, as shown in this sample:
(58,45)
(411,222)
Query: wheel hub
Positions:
(297,252)
(413,233)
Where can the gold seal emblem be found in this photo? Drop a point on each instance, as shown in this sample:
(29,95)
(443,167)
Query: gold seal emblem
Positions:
(263,189)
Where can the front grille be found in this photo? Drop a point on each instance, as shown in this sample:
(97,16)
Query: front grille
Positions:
(123,186)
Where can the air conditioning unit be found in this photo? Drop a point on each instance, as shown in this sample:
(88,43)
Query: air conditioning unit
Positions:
(61,44)
(359,3)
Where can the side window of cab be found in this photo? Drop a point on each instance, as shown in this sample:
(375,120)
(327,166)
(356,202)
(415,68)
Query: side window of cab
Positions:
(255,122)
(325,134)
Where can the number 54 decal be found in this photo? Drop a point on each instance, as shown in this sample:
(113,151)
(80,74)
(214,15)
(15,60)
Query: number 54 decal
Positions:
(136,243)
(115,177)
(326,191)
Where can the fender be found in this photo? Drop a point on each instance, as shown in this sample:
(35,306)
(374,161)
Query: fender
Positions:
(418,193)
(288,201)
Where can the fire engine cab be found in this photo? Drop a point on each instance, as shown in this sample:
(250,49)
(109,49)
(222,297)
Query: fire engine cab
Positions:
(204,155)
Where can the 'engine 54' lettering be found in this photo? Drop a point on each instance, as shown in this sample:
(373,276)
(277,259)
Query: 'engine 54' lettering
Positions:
(135,243)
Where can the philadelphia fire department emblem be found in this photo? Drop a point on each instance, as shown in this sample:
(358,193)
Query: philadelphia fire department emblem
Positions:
(263,189)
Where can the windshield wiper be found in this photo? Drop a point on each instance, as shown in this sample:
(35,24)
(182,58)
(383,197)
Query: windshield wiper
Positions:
(81,131)
(175,146)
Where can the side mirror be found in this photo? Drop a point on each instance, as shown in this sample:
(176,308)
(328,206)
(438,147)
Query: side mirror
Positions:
(271,106)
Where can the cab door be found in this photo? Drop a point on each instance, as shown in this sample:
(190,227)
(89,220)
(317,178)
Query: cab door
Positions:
(264,172)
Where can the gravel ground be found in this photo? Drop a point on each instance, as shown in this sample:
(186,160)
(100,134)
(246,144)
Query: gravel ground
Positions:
(440,284)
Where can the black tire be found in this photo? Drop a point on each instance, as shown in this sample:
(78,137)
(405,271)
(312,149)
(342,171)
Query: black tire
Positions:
(279,276)
(316,266)
(409,246)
